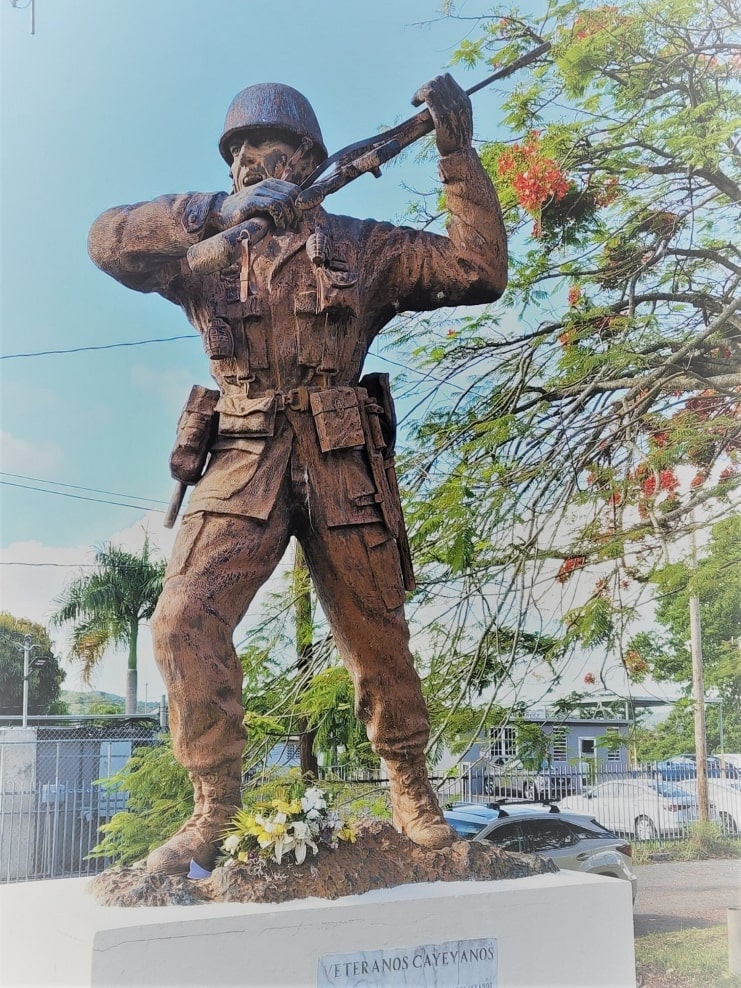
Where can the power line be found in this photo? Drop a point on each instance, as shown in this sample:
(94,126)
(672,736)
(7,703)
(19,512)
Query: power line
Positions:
(76,487)
(193,336)
(80,497)
(13,562)
(105,346)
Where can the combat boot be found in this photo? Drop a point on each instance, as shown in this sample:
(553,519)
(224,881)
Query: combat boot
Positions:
(217,796)
(416,811)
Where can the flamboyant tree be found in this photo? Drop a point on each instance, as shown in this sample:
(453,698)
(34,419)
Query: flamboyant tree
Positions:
(596,417)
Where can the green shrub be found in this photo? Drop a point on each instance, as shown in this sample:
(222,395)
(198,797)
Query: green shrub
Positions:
(160,799)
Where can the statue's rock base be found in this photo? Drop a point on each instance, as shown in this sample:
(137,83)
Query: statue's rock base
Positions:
(543,930)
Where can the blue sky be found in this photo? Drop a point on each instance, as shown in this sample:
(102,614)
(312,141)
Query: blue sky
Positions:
(116,102)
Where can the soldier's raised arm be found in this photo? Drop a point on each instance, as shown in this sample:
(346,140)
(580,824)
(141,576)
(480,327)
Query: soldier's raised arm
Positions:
(416,270)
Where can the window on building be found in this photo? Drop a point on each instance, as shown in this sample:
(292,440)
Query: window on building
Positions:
(559,743)
(586,748)
(503,743)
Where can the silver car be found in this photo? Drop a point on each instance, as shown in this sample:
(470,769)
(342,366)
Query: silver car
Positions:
(572,841)
(644,809)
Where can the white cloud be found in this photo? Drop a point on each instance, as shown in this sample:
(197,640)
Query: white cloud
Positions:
(32,459)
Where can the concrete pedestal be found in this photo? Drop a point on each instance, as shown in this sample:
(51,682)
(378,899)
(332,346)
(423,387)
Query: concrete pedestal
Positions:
(550,930)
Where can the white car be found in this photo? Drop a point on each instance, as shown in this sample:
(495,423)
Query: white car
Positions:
(725,802)
(644,809)
(731,761)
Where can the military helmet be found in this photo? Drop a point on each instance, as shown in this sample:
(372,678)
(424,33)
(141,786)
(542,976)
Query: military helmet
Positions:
(273,105)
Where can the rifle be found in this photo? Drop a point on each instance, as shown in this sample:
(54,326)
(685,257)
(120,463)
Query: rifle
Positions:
(222,250)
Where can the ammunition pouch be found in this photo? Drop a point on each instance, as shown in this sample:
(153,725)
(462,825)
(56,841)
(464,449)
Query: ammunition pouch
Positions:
(247,417)
(337,417)
(196,427)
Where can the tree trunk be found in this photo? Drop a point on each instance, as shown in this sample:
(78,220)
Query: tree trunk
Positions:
(304,646)
(131,674)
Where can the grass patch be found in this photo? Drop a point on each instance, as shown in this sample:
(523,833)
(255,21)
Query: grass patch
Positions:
(706,840)
(692,957)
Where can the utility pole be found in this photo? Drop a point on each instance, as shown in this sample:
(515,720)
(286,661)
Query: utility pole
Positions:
(698,693)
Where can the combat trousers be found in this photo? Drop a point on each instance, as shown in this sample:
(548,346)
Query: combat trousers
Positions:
(218,564)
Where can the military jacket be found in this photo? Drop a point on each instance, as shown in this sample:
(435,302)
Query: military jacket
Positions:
(318,296)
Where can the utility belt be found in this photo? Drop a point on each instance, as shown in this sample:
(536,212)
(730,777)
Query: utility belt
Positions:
(344,417)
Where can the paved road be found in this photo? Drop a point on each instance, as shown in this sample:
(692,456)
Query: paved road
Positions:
(678,895)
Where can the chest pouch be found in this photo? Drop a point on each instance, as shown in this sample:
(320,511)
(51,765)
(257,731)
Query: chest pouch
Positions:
(337,417)
(243,416)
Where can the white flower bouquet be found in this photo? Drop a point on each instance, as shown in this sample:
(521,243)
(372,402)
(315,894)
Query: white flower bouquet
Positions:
(285,828)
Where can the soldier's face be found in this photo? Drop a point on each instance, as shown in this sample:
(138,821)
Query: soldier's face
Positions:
(257,155)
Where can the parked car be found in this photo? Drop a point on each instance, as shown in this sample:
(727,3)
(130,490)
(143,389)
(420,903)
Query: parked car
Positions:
(551,782)
(682,767)
(731,762)
(572,841)
(645,809)
(725,802)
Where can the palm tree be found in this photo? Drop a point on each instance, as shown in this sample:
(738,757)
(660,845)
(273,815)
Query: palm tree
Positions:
(107,607)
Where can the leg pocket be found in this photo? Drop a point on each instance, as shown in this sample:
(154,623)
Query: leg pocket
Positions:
(383,554)
(185,544)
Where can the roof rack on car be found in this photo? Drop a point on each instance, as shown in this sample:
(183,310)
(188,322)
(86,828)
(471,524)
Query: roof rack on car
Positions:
(500,805)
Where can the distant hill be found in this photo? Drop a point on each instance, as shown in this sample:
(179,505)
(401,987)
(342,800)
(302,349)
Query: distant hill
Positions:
(97,701)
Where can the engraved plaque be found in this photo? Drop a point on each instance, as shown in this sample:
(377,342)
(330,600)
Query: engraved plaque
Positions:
(454,964)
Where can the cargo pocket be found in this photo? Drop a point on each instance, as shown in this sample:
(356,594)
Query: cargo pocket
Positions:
(383,554)
(185,544)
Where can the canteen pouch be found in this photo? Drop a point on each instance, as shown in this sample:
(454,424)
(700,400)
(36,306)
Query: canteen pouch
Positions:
(337,418)
(243,416)
(194,434)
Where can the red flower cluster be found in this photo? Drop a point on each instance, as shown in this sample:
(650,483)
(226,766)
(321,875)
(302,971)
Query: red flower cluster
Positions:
(535,177)
(589,679)
(569,566)
(592,21)
(666,481)
(635,664)
(574,295)
(608,193)
(649,486)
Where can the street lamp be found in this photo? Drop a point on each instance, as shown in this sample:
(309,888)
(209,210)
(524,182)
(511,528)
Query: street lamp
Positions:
(29,665)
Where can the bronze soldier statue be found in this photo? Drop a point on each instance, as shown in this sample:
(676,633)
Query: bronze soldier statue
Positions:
(295,442)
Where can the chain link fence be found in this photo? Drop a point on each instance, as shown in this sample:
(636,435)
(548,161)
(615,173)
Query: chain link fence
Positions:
(51,800)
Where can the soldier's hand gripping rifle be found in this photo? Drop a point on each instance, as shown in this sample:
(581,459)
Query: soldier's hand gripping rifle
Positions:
(223,249)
